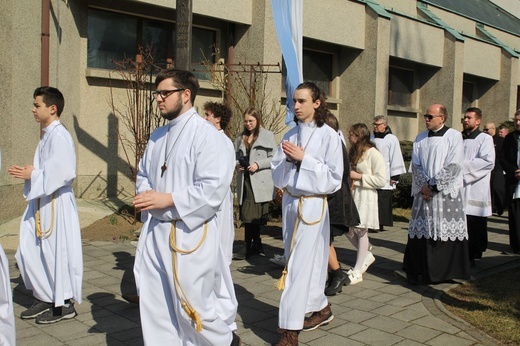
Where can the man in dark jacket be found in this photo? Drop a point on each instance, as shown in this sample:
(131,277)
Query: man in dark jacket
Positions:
(511,165)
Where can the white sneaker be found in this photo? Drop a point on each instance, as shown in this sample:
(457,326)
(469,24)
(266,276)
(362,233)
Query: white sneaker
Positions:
(369,259)
(278,260)
(355,277)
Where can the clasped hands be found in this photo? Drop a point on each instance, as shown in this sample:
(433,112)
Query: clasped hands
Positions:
(293,152)
(426,192)
(251,168)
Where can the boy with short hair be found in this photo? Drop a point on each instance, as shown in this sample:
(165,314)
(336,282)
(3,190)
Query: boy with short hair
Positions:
(49,253)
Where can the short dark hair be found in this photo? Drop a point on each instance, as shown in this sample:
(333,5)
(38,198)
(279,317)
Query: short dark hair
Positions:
(51,96)
(182,78)
(475,110)
(220,111)
(316,94)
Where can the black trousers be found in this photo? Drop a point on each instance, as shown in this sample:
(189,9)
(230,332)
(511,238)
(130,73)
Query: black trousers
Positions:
(514,225)
(477,236)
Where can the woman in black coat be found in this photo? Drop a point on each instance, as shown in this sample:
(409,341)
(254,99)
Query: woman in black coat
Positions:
(343,214)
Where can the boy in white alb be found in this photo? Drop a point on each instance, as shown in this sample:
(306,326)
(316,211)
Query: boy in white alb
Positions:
(49,254)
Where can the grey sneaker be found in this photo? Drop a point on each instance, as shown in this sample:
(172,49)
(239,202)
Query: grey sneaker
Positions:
(57,314)
(36,309)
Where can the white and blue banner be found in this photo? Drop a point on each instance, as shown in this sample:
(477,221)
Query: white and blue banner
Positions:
(288,18)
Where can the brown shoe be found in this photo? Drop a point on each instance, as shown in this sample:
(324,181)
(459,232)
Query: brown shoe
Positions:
(318,318)
(131,298)
(287,337)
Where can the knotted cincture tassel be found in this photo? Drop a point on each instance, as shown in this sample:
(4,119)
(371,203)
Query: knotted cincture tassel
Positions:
(193,315)
(38,224)
(181,295)
(280,284)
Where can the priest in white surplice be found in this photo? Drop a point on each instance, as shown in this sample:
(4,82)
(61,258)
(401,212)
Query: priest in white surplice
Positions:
(388,145)
(308,166)
(437,248)
(180,186)
(49,252)
(479,160)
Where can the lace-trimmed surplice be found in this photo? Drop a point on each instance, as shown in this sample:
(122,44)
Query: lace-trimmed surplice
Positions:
(438,160)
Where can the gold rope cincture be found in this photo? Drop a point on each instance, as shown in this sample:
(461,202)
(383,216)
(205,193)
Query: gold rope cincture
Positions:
(188,308)
(38,224)
(280,284)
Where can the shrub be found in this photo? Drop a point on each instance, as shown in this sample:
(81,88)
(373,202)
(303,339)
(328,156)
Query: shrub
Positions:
(403,193)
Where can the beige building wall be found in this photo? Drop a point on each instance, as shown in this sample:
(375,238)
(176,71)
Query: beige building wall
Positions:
(20,75)
(364,40)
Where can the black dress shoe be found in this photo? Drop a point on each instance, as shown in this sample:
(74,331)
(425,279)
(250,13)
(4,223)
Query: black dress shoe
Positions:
(241,254)
(339,279)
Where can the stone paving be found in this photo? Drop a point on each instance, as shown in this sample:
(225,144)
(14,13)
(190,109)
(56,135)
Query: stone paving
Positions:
(381,310)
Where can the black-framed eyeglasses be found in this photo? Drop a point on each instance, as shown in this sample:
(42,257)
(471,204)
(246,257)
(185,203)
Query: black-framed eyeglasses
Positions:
(486,130)
(165,93)
(377,125)
(430,116)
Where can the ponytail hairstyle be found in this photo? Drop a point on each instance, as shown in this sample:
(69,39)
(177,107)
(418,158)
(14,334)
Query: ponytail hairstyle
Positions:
(316,94)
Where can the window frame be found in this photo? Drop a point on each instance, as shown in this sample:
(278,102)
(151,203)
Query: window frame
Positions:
(170,27)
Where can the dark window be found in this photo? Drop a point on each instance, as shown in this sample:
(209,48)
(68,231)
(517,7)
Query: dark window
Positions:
(115,37)
(111,37)
(468,95)
(518,98)
(400,87)
(317,68)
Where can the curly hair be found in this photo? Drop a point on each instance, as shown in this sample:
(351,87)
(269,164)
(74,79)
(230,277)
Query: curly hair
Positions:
(362,144)
(316,94)
(220,111)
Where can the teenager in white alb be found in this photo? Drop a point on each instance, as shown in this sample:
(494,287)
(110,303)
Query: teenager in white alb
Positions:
(307,166)
(49,253)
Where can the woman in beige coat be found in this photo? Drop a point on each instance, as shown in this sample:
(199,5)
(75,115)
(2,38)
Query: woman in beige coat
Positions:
(254,148)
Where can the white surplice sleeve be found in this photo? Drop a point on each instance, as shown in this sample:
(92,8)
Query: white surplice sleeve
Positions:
(396,158)
(199,201)
(419,176)
(449,178)
(482,164)
(54,165)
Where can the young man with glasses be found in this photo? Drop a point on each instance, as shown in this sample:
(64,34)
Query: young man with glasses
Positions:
(180,186)
(437,247)
(479,159)
(388,145)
